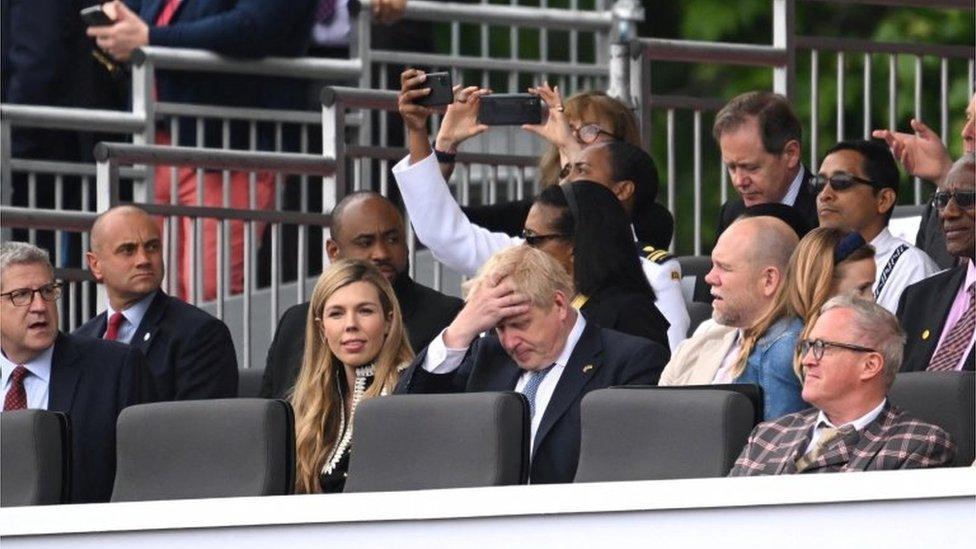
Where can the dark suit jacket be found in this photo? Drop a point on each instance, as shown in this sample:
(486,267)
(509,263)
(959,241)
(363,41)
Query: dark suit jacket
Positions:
(806,204)
(616,359)
(190,353)
(92,381)
(894,440)
(425,313)
(922,312)
(237,28)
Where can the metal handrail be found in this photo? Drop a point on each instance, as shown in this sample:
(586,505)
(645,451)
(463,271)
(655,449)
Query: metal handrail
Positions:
(436,60)
(493,14)
(663,49)
(856,45)
(185,59)
(34,218)
(358,98)
(935,4)
(238,113)
(34,116)
(216,159)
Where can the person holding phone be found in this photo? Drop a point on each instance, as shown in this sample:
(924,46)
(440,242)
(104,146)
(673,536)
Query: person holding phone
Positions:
(238,28)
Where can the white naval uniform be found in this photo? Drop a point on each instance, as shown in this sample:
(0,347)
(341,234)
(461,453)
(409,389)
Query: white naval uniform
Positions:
(913,265)
(464,247)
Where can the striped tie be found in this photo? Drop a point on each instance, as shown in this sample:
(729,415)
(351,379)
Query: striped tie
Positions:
(948,355)
(532,387)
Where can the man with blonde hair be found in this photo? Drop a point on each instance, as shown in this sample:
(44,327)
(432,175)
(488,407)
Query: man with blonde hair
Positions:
(849,363)
(540,346)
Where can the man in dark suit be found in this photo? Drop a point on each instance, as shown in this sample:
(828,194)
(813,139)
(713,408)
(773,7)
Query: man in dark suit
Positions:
(191,354)
(541,347)
(849,363)
(760,139)
(89,379)
(938,313)
(366,226)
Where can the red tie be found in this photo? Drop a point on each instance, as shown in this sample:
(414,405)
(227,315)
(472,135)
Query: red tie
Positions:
(16,397)
(114,321)
(166,14)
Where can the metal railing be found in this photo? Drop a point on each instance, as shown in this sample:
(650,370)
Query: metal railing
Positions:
(781,58)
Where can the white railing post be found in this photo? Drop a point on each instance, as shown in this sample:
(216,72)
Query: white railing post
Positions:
(143,103)
(626,15)
(333,146)
(784,37)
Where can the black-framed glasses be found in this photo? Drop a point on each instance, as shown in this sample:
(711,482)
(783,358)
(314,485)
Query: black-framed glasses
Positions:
(818,346)
(535,240)
(24,296)
(589,133)
(838,182)
(964,199)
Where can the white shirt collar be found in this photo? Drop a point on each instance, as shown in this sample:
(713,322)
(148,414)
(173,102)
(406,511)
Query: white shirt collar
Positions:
(859,423)
(794,189)
(884,242)
(571,340)
(40,366)
(134,314)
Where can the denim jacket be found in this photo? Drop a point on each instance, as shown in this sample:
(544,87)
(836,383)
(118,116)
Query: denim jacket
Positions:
(770,365)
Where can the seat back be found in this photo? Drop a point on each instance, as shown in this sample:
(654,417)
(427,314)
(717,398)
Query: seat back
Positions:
(205,448)
(698,312)
(414,442)
(249,382)
(947,399)
(657,433)
(35,458)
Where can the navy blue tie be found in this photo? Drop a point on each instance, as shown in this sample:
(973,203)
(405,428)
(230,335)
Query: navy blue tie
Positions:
(532,387)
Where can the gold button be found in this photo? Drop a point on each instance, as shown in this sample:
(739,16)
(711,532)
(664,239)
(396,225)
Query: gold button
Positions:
(925,334)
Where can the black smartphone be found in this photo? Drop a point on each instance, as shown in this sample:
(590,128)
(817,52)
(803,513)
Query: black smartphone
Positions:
(440,90)
(510,109)
(93,16)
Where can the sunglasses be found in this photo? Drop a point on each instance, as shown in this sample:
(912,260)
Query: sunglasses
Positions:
(535,240)
(589,133)
(838,182)
(963,199)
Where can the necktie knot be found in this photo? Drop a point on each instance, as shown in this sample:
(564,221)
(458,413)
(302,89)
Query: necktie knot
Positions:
(19,373)
(532,387)
(114,322)
(16,398)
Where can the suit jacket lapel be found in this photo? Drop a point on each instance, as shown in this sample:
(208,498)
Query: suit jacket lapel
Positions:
(792,444)
(64,376)
(941,301)
(710,359)
(145,333)
(101,323)
(573,379)
(871,439)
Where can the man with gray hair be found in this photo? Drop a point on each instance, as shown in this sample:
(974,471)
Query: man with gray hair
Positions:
(849,363)
(89,379)
(539,346)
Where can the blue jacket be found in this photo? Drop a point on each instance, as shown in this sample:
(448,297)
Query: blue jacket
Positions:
(770,365)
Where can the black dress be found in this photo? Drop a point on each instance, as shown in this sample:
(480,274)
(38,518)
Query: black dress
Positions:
(625,310)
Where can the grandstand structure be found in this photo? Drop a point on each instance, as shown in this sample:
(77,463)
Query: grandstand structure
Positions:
(345,147)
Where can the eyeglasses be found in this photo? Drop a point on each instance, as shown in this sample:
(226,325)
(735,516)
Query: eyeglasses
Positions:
(964,199)
(589,133)
(818,346)
(24,296)
(838,182)
(535,240)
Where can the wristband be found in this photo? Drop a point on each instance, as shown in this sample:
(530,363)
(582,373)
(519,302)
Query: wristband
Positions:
(444,157)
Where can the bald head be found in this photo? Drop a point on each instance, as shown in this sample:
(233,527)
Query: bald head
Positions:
(109,218)
(367,226)
(769,241)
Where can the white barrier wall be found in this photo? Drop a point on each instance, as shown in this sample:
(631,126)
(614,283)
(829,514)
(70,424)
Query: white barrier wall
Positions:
(933,508)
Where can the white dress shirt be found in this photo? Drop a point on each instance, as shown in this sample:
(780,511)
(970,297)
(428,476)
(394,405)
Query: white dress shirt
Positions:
(912,266)
(794,189)
(464,247)
(36,384)
(859,424)
(443,360)
(133,317)
(724,373)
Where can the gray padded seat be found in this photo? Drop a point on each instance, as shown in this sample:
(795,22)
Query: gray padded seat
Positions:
(698,312)
(249,382)
(947,399)
(35,458)
(656,433)
(415,442)
(205,449)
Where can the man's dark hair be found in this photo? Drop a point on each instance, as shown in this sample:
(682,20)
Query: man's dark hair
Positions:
(876,161)
(631,163)
(786,214)
(355,196)
(778,124)
(604,252)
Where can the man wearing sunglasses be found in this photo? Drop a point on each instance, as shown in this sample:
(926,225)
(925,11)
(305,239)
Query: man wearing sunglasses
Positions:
(89,379)
(856,190)
(939,313)
(760,139)
(849,360)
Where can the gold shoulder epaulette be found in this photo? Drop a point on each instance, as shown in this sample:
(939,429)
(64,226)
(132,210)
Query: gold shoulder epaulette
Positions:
(656,255)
